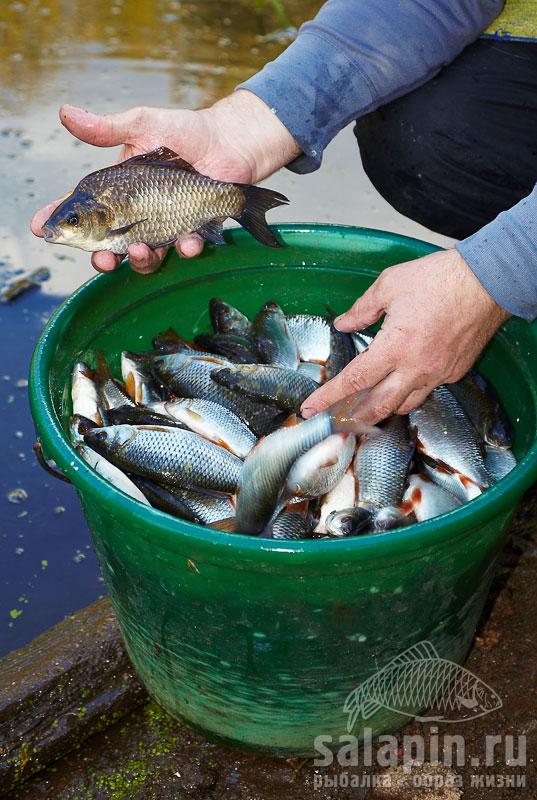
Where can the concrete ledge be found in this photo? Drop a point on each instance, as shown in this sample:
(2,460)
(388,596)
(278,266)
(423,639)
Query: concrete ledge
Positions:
(67,684)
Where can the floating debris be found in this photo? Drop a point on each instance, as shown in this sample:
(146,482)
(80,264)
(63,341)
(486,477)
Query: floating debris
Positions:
(22,285)
(59,509)
(18,495)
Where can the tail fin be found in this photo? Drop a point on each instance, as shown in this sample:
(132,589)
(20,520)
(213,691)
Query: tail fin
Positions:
(257,201)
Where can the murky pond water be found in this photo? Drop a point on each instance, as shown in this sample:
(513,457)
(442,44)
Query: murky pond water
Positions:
(108,56)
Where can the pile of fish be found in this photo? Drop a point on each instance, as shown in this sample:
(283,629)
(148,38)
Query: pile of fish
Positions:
(210,431)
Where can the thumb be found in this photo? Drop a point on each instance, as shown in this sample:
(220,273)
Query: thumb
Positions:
(365,311)
(102,130)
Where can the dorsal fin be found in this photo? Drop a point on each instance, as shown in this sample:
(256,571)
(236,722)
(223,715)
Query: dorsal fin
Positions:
(162,156)
(418,652)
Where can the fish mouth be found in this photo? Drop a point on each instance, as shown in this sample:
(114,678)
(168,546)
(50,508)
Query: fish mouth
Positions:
(49,234)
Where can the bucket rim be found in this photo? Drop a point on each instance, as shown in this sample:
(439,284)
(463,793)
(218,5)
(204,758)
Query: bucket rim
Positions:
(501,497)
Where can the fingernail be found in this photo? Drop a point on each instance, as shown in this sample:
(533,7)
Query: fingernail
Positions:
(306,412)
(338,319)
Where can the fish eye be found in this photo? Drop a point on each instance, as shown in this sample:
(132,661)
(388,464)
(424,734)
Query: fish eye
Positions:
(72,219)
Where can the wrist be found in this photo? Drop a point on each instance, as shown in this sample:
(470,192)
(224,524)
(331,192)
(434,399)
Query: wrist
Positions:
(482,297)
(245,123)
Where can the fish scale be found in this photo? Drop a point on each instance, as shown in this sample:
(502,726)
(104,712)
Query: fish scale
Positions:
(154,198)
(381,464)
(171,456)
(189,201)
(446,435)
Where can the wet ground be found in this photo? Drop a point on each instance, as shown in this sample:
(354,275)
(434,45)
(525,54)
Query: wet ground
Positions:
(109,56)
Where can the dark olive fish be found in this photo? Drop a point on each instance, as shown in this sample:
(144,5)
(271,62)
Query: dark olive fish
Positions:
(273,340)
(192,378)
(154,198)
(286,388)
(342,351)
(225,318)
(239,348)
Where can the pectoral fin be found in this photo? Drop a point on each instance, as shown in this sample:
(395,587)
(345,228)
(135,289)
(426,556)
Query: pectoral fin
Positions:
(212,231)
(124,228)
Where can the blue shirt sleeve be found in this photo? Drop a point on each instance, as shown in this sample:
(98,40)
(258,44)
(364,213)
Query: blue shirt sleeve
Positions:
(357,55)
(503,257)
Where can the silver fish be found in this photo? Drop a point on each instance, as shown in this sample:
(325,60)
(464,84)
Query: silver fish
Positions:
(342,496)
(381,464)
(193,379)
(139,384)
(425,499)
(199,507)
(320,469)
(483,407)
(499,462)
(347,522)
(212,421)
(111,473)
(456,483)
(311,335)
(168,455)
(314,371)
(361,341)
(84,393)
(267,465)
(291,525)
(445,436)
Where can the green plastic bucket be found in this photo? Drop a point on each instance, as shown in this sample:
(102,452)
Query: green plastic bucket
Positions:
(257,641)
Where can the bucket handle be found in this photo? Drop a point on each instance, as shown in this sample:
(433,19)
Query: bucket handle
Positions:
(48,465)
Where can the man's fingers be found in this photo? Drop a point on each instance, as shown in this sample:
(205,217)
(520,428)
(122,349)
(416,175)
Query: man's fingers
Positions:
(364,371)
(414,399)
(41,216)
(385,398)
(365,311)
(104,261)
(102,130)
(145,260)
(189,245)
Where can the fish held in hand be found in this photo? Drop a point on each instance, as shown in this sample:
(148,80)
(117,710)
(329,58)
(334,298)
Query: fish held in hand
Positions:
(155,198)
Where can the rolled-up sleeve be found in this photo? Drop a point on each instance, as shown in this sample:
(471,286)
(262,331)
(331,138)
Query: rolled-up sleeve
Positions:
(357,55)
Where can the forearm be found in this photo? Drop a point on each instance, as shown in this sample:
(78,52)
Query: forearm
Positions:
(357,55)
(503,256)
(244,123)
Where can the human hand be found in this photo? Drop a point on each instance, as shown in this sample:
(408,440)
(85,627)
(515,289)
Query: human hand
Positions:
(437,319)
(237,139)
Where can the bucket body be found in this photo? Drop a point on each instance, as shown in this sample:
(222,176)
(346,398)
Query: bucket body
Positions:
(255,641)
